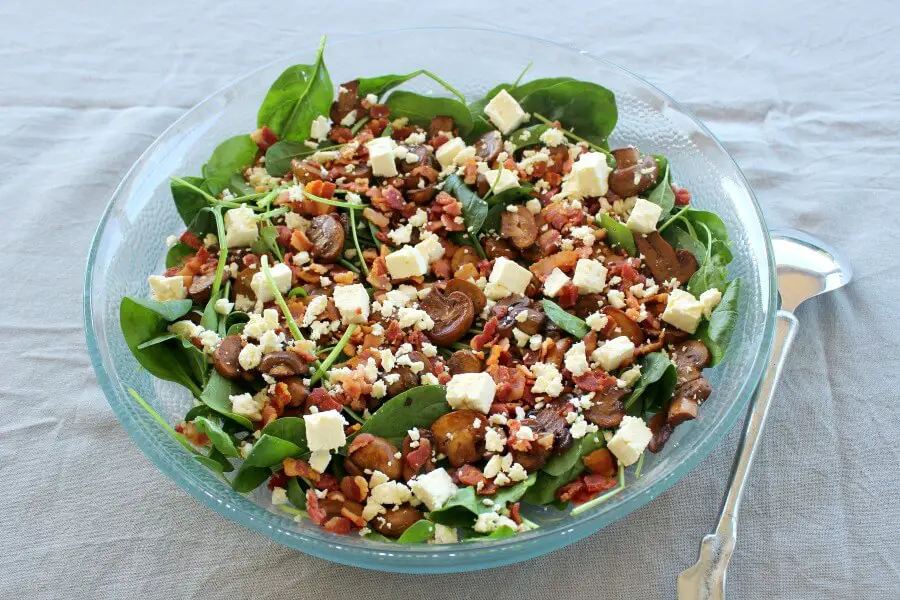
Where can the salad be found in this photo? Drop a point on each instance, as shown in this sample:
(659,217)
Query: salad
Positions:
(420,318)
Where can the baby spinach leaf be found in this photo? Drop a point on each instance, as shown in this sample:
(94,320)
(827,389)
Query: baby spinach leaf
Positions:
(417,407)
(298,96)
(236,329)
(663,196)
(716,333)
(544,490)
(678,237)
(654,367)
(464,507)
(527,136)
(269,451)
(512,195)
(203,222)
(188,201)
(382,84)
(215,395)
(229,157)
(492,221)
(295,493)
(267,243)
(584,107)
(566,321)
(165,337)
(220,440)
(213,462)
(280,154)
(418,533)
(617,234)
(142,320)
(712,273)
(500,533)
(711,220)
(248,478)
(562,464)
(420,110)
(474,209)
(292,429)
(662,163)
(177,253)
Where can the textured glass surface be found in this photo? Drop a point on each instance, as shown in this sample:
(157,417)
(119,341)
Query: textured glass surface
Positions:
(129,246)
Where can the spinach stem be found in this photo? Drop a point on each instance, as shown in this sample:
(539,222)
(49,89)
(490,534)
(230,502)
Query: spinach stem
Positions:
(297,291)
(477,245)
(354,414)
(640,465)
(521,75)
(446,85)
(358,125)
(223,252)
(374,237)
(334,354)
(248,197)
(330,202)
(279,299)
(349,265)
(577,138)
(362,261)
(155,415)
(273,213)
(493,185)
(672,219)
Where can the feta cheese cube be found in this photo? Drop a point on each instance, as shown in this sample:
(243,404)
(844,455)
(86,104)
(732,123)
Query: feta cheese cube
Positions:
(533,206)
(630,440)
(505,112)
(589,176)
(319,460)
(353,303)
(510,275)
(325,430)
(501,180)
(448,151)
(710,299)
(643,216)
(471,390)
(683,311)
(240,227)
(245,405)
(590,276)
(616,298)
(249,356)
(381,157)
(319,129)
(555,282)
(431,248)
(405,263)
(576,360)
(434,488)
(164,289)
(614,352)
(223,306)
(444,535)
(281,275)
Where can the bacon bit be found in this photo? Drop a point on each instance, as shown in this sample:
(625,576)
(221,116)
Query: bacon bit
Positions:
(568,295)
(510,382)
(360,441)
(565,493)
(351,516)
(448,204)
(441,268)
(490,329)
(264,137)
(438,141)
(189,431)
(269,414)
(250,260)
(379,111)
(378,275)
(394,334)
(682,197)
(466,271)
(278,479)
(297,467)
(376,218)
(470,173)
(316,513)
(494,357)
(284,235)
(601,462)
(341,135)
(338,525)
(417,458)
(650,347)
(327,482)
(549,242)
(595,483)
(322,189)
(191,239)
(593,381)
(355,488)
(471,475)
(514,513)
(564,261)
(344,278)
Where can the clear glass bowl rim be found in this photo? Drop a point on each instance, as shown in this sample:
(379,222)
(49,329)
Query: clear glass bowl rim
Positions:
(436,558)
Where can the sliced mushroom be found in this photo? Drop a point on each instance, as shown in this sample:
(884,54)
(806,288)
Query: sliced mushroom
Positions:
(634,179)
(440,123)
(421,195)
(408,379)
(372,453)
(225,358)
(464,255)
(690,358)
(333,506)
(495,248)
(305,171)
(347,101)
(395,521)
(519,227)
(606,408)
(514,306)
(686,401)
(326,232)
(622,325)
(626,157)
(201,286)
(452,314)
(242,283)
(469,289)
(425,155)
(552,419)
(458,438)
(661,431)
(488,146)
(464,361)
(587,305)
(664,261)
(297,389)
(557,352)
(283,364)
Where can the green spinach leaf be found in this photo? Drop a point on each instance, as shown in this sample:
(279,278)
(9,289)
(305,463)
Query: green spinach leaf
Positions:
(512,195)
(189,202)
(418,533)
(177,253)
(474,209)
(618,235)
(216,396)
(418,407)
(464,507)
(527,136)
(248,478)
(295,493)
(269,451)
(663,196)
(654,366)
(220,440)
(565,320)
(420,110)
(229,158)
(292,429)
(563,463)
(716,333)
(584,107)
(280,154)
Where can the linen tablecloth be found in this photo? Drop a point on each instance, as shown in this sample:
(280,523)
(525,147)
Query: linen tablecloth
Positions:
(803,94)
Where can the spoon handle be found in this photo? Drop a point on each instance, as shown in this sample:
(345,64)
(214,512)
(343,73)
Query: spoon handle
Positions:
(706,579)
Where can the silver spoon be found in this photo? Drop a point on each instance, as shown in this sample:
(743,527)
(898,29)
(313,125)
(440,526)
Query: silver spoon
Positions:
(806,267)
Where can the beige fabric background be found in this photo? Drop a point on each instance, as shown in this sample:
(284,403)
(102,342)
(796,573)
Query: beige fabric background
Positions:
(804,94)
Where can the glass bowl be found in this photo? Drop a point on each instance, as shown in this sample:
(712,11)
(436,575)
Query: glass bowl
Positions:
(128,246)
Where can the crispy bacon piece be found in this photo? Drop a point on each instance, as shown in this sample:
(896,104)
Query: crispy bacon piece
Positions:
(510,382)
(490,330)
(297,467)
(316,513)
(190,238)
(471,475)
(264,137)
(564,261)
(514,513)
(189,430)
(682,197)
(338,525)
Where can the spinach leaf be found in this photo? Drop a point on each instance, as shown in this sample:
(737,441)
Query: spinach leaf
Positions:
(470,535)
(215,462)
(663,196)
(654,366)
(381,84)
(267,243)
(464,507)
(474,209)
(269,451)
(295,493)
(142,320)
(512,195)
(618,235)
(210,318)
(662,163)
(292,429)
(239,186)
(712,273)
(566,321)
(584,107)
(298,96)
(710,220)
(492,221)
(157,340)
(177,253)
(659,393)
(544,490)
(280,154)
(418,533)
(420,109)
(527,136)
(235,317)
(562,464)
(203,222)
(417,407)
(716,333)
(229,157)
(236,329)
(248,478)
(220,440)
(681,238)
(189,202)
(215,395)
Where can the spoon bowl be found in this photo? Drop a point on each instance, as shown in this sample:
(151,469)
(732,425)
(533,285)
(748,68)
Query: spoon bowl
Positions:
(806,267)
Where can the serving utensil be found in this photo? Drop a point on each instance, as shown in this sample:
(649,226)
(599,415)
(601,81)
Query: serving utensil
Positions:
(806,267)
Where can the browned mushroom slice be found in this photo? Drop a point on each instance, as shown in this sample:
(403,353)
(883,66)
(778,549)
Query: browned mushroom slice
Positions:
(225,358)
(690,358)
(519,227)
(458,438)
(626,157)
(347,101)
(622,326)
(305,171)
(664,261)
(661,431)
(368,453)
(686,401)
(469,289)
(326,233)
(425,157)
(495,248)
(452,314)
(634,179)
(440,123)
(296,388)
(552,419)
(606,408)
(488,146)
(464,361)
(201,286)
(587,305)
(283,364)
(464,255)
(557,352)
(242,283)
(395,521)
(407,378)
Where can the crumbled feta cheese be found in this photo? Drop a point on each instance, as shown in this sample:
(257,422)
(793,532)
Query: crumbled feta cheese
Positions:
(434,488)
(510,275)
(505,112)
(533,206)
(553,137)
(392,492)
(164,289)
(405,263)
(171,241)
(683,311)
(416,138)
(596,321)
(631,376)
(353,303)
(492,521)
(710,299)
(643,216)
(381,157)
(444,535)
(223,306)
(245,405)
(401,235)
(414,317)
(471,390)
(493,466)
(548,379)
(555,282)
(431,248)
(517,472)
(249,356)
(319,129)
(520,336)
(325,430)
(349,119)
(494,440)
(630,440)
(614,352)
(576,360)
(240,227)
(316,307)
(616,298)
(379,389)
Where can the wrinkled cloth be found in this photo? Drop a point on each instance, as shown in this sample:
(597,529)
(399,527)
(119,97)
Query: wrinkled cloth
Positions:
(803,94)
